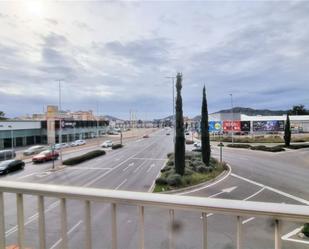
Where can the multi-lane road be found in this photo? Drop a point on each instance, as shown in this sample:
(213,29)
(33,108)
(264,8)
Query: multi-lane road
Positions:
(255,176)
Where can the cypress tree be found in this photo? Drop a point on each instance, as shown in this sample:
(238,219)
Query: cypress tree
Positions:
(180,136)
(205,131)
(287,131)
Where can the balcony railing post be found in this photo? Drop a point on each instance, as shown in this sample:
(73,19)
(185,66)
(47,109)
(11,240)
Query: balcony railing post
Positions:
(239,232)
(88,240)
(41,211)
(171,229)
(2,223)
(114,226)
(204,216)
(20,220)
(278,228)
(142,227)
(64,224)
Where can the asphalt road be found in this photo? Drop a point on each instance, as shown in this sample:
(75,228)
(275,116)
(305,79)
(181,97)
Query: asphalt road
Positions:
(256,176)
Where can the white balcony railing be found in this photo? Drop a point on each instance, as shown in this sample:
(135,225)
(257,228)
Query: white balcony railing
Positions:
(240,209)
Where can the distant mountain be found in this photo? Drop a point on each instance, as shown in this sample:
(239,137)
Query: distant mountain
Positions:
(254,112)
(168,118)
(111,118)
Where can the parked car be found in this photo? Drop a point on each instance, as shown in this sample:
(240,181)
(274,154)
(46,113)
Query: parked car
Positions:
(197,149)
(107,143)
(62,145)
(78,143)
(197,144)
(146,136)
(187,133)
(34,150)
(45,155)
(7,154)
(11,165)
(167,134)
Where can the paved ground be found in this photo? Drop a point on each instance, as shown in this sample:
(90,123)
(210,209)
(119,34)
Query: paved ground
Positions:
(256,176)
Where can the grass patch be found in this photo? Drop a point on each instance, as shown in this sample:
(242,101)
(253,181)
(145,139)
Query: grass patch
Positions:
(195,172)
(298,146)
(240,146)
(277,148)
(85,157)
(305,229)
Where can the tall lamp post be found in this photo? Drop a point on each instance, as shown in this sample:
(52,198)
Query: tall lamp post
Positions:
(232,111)
(173,91)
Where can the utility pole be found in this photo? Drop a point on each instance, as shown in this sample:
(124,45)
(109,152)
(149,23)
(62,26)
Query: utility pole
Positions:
(232,107)
(173,107)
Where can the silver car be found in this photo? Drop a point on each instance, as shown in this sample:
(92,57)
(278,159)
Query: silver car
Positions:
(35,150)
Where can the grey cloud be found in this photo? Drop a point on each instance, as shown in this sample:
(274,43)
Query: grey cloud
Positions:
(51,21)
(141,52)
(82,26)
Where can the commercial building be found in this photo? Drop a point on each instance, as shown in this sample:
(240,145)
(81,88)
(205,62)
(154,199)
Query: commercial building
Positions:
(17,133)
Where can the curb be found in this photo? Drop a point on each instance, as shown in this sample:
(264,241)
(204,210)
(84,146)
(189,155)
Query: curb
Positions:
(199,186)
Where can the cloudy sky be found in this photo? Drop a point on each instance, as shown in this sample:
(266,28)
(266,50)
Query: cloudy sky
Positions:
(114,56)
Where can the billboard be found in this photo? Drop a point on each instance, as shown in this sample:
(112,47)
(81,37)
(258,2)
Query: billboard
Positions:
(229,125)
(245,126)
(274,125)
(215,126)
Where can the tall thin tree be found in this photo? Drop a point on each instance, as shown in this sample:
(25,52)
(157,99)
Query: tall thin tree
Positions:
(205,131)
(287,131)
(180,136)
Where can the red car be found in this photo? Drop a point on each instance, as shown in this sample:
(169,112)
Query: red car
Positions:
(44,156)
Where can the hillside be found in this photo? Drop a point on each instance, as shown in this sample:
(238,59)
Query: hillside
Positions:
(254,112)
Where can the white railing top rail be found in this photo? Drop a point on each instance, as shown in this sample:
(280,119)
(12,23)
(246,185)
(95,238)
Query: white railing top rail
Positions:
(209,205)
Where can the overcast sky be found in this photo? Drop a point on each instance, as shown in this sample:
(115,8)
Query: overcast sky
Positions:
(113,57)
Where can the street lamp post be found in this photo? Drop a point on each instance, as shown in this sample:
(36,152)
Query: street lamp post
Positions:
(232,111)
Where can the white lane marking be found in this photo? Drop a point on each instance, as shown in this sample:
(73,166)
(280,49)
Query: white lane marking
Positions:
(253,195)
(25,176)
(139,166)
(294,232)
(209,185)
(154,181)
(130,165)
(85,168)
(227,190)
(53,205)
(125,180)
(145,158)
(68,233)
(150,168)
(31,219)
(273,189)
(248,220)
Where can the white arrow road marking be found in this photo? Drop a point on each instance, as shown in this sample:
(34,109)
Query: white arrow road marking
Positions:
(226,190)
(248,220)
(151,166)
(130,165)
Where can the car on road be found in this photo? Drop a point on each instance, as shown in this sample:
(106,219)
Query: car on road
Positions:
(197,144)
(7,154)
(167,134)
(45,155)
(61,146)
(146,136)
(34,150)
(187,133)
(107,143)
(78,143)
(197,149)
(11,165)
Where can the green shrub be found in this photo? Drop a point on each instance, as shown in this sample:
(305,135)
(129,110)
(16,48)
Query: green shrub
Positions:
(189,142)
(305,229)
(161,181)
(84,157)
(188,172)
(298,146)
(170,155)
(117,146)
(241,146)
(170,163)
(166,168)
(277,148)
(174,180)
(203,169)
